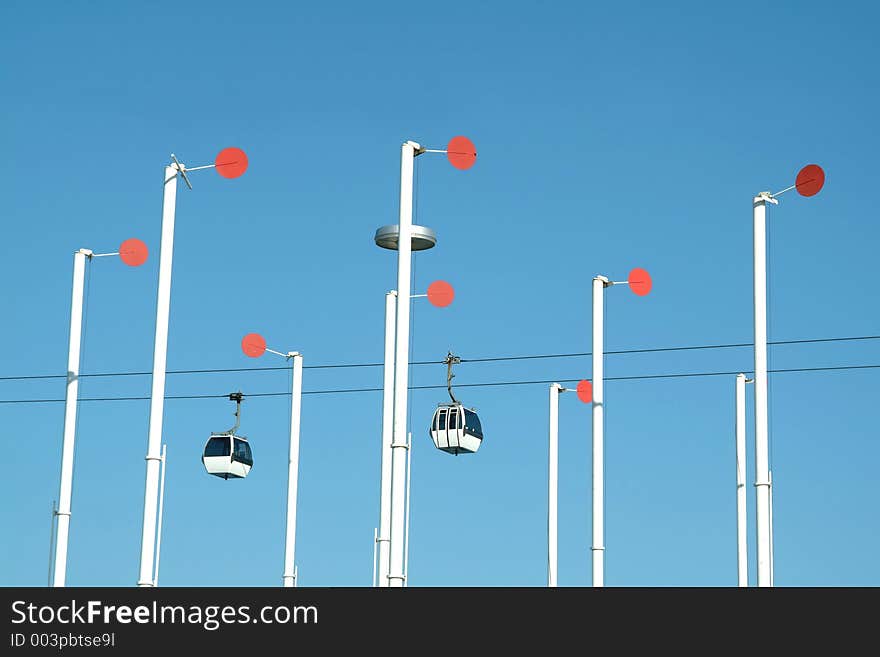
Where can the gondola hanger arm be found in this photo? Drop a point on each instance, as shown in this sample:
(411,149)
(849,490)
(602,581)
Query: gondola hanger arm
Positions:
(450,361)
(236,397)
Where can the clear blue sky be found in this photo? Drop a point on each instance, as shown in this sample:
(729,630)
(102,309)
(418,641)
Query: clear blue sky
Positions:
(610,136)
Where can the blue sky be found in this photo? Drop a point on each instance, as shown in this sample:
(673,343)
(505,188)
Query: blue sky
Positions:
(610,136)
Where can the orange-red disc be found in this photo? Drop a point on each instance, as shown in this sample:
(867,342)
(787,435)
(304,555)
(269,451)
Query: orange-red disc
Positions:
(810,180)
(440,294)
(461,152)
(640,281)
(231,162)
(585,391)
(253,345)
(133,252)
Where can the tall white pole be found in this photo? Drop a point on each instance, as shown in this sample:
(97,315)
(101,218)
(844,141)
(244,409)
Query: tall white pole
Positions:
(553,485)
(742,557)
(384,536)
(762,459)
(157,396)
(408,506)
(293,471)
(401,363)
(598,548)
(73,358)
(161,506)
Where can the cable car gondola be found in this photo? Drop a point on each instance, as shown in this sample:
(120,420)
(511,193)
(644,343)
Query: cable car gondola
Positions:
(454,428)
(226,454)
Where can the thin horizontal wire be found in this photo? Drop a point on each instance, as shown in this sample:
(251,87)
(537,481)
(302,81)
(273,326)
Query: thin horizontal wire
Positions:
(440,362)
(641,377)
(661,349)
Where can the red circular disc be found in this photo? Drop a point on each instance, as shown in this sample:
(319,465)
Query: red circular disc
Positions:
(810,180)
(253,345)
(440,294)
(231,162)
(461,152)
(585,391)
(133,252)
(640,281)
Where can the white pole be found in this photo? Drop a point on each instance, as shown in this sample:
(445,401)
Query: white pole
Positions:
(598,548)
(293,472)
(401,363)
(161,506)
(742,555)
(408,506)
(384,536)
(553,485)
(157,396)
(762,477)
(73,358)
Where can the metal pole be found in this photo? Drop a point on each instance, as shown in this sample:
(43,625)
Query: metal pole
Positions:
(67,451)
(401,363)
(289,578)
(598,548)
(161,506)
(762,459)
(157,396)
(553,486)
(384,536)
(742,556)
(408,506)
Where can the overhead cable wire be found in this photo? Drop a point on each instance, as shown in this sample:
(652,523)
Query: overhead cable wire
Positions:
(489,384)
(463,360)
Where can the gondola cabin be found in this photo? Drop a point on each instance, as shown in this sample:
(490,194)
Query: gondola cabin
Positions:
(228,456)
(456,429)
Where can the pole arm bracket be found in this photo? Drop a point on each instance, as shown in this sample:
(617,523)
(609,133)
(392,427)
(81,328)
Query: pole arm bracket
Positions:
(182,170)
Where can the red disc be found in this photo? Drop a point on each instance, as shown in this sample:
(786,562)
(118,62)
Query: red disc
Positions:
(585,391)
(640,281)
(461,152)
(231,162)
(810,180)
(133,252)
(253,345)
(440,294)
